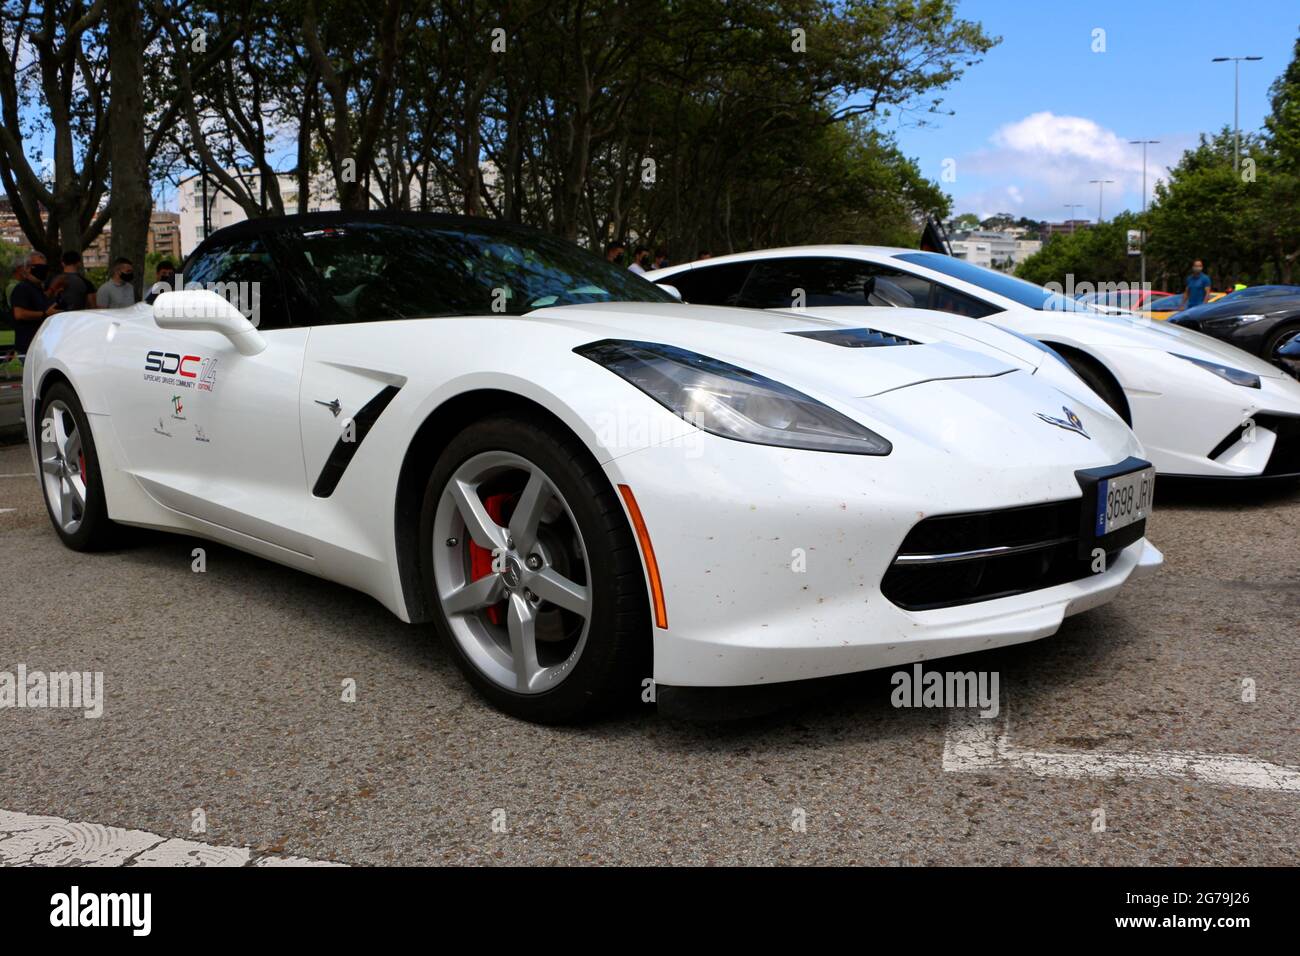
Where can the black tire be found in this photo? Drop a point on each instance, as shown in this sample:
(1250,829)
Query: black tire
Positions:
(617,654)
(1100,384)
(97,532)
(1275,339)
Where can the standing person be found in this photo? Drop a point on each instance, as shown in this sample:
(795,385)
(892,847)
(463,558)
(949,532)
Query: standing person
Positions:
(76,292)
(1198,283)
(7,322)
(28,301)
(166,282)
(640,260)
(118,292)
(614,252)
(661,258)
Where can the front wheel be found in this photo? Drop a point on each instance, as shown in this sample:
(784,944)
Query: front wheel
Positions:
(1279,340)
(1105,390)
(537,579)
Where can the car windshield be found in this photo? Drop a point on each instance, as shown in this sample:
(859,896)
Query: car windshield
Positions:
(1009,287)
(1120,299)
(1252,292)
(1170,303)
(369,271)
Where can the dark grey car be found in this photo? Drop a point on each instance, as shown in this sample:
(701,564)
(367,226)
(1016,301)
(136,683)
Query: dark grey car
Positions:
(1262,320)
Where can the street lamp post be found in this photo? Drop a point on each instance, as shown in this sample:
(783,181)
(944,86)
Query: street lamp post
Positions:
(1236,103)
(1142,253)
(1072,206)
(1101,185)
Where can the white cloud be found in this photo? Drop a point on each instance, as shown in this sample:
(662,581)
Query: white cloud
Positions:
(1038,164)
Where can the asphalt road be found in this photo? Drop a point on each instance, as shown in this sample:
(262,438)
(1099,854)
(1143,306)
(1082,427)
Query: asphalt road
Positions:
(223,692)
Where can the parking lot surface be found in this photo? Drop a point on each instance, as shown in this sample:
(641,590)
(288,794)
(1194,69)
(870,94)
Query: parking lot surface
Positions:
(223,694)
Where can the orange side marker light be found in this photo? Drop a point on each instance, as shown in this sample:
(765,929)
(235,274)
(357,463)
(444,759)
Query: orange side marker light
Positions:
(647,552)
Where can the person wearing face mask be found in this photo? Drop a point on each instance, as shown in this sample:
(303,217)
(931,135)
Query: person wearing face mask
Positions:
(119,291)
(28,301)
(640,260)
(166,273)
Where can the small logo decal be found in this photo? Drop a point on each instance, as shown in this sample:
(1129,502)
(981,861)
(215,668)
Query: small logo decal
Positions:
(1071,422)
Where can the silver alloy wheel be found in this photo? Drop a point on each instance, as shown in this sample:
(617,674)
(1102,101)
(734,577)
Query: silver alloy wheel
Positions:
(536,558)
(63,467)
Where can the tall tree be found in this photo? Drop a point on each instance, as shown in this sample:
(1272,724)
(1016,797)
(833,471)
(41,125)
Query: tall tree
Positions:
(132,201)
(358,89)
(63,97)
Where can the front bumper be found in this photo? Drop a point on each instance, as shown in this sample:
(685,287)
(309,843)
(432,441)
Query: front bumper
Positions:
(1193,424)
(772,559)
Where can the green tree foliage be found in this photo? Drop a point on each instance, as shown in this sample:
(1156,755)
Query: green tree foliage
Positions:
(1096,254)
(1205,211)
(719,124)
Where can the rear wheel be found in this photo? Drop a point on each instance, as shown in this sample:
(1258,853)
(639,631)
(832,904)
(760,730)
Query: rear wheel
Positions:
(70,475)
(536,576)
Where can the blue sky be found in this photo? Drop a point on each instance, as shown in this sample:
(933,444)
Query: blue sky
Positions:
(1043,113)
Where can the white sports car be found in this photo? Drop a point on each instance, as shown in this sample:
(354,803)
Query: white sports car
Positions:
(1202,408)
(582,483)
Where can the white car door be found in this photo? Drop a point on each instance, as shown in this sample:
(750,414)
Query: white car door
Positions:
(210,432)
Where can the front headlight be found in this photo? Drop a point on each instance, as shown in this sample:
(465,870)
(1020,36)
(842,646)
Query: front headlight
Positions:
(1226,372)
(1231,322)
(731,402)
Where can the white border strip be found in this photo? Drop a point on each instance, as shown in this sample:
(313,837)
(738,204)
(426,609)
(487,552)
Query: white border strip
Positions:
(27,840)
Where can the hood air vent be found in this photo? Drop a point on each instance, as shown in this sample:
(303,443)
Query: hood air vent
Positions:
(856,338)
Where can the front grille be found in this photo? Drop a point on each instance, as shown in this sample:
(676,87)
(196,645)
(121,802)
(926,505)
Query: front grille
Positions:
(940,563)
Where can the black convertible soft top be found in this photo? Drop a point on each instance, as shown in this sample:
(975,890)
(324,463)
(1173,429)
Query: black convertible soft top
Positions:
(324,220)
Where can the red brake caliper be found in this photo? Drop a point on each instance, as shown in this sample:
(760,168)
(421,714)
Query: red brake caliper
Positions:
(480,558)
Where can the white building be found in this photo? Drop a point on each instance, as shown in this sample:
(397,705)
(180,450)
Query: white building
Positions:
(993,250)
(224,211)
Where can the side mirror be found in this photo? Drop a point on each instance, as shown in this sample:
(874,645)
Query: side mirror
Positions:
(202,310)
(672,290)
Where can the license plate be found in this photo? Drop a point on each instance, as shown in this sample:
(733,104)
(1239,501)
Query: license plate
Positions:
(1123,500)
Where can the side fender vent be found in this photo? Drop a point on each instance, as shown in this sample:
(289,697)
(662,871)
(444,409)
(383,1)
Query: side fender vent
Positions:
(346,447)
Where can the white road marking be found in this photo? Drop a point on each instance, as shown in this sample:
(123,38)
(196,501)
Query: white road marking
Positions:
(978,744)
(20,474)
(5,511)
(27,840)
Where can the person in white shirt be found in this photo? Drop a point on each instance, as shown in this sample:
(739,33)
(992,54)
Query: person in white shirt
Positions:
(640,260)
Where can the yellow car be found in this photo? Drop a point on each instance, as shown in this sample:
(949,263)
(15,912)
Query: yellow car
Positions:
(1163,308)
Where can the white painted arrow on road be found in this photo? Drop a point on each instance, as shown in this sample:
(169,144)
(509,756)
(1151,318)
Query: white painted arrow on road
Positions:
(975,743)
